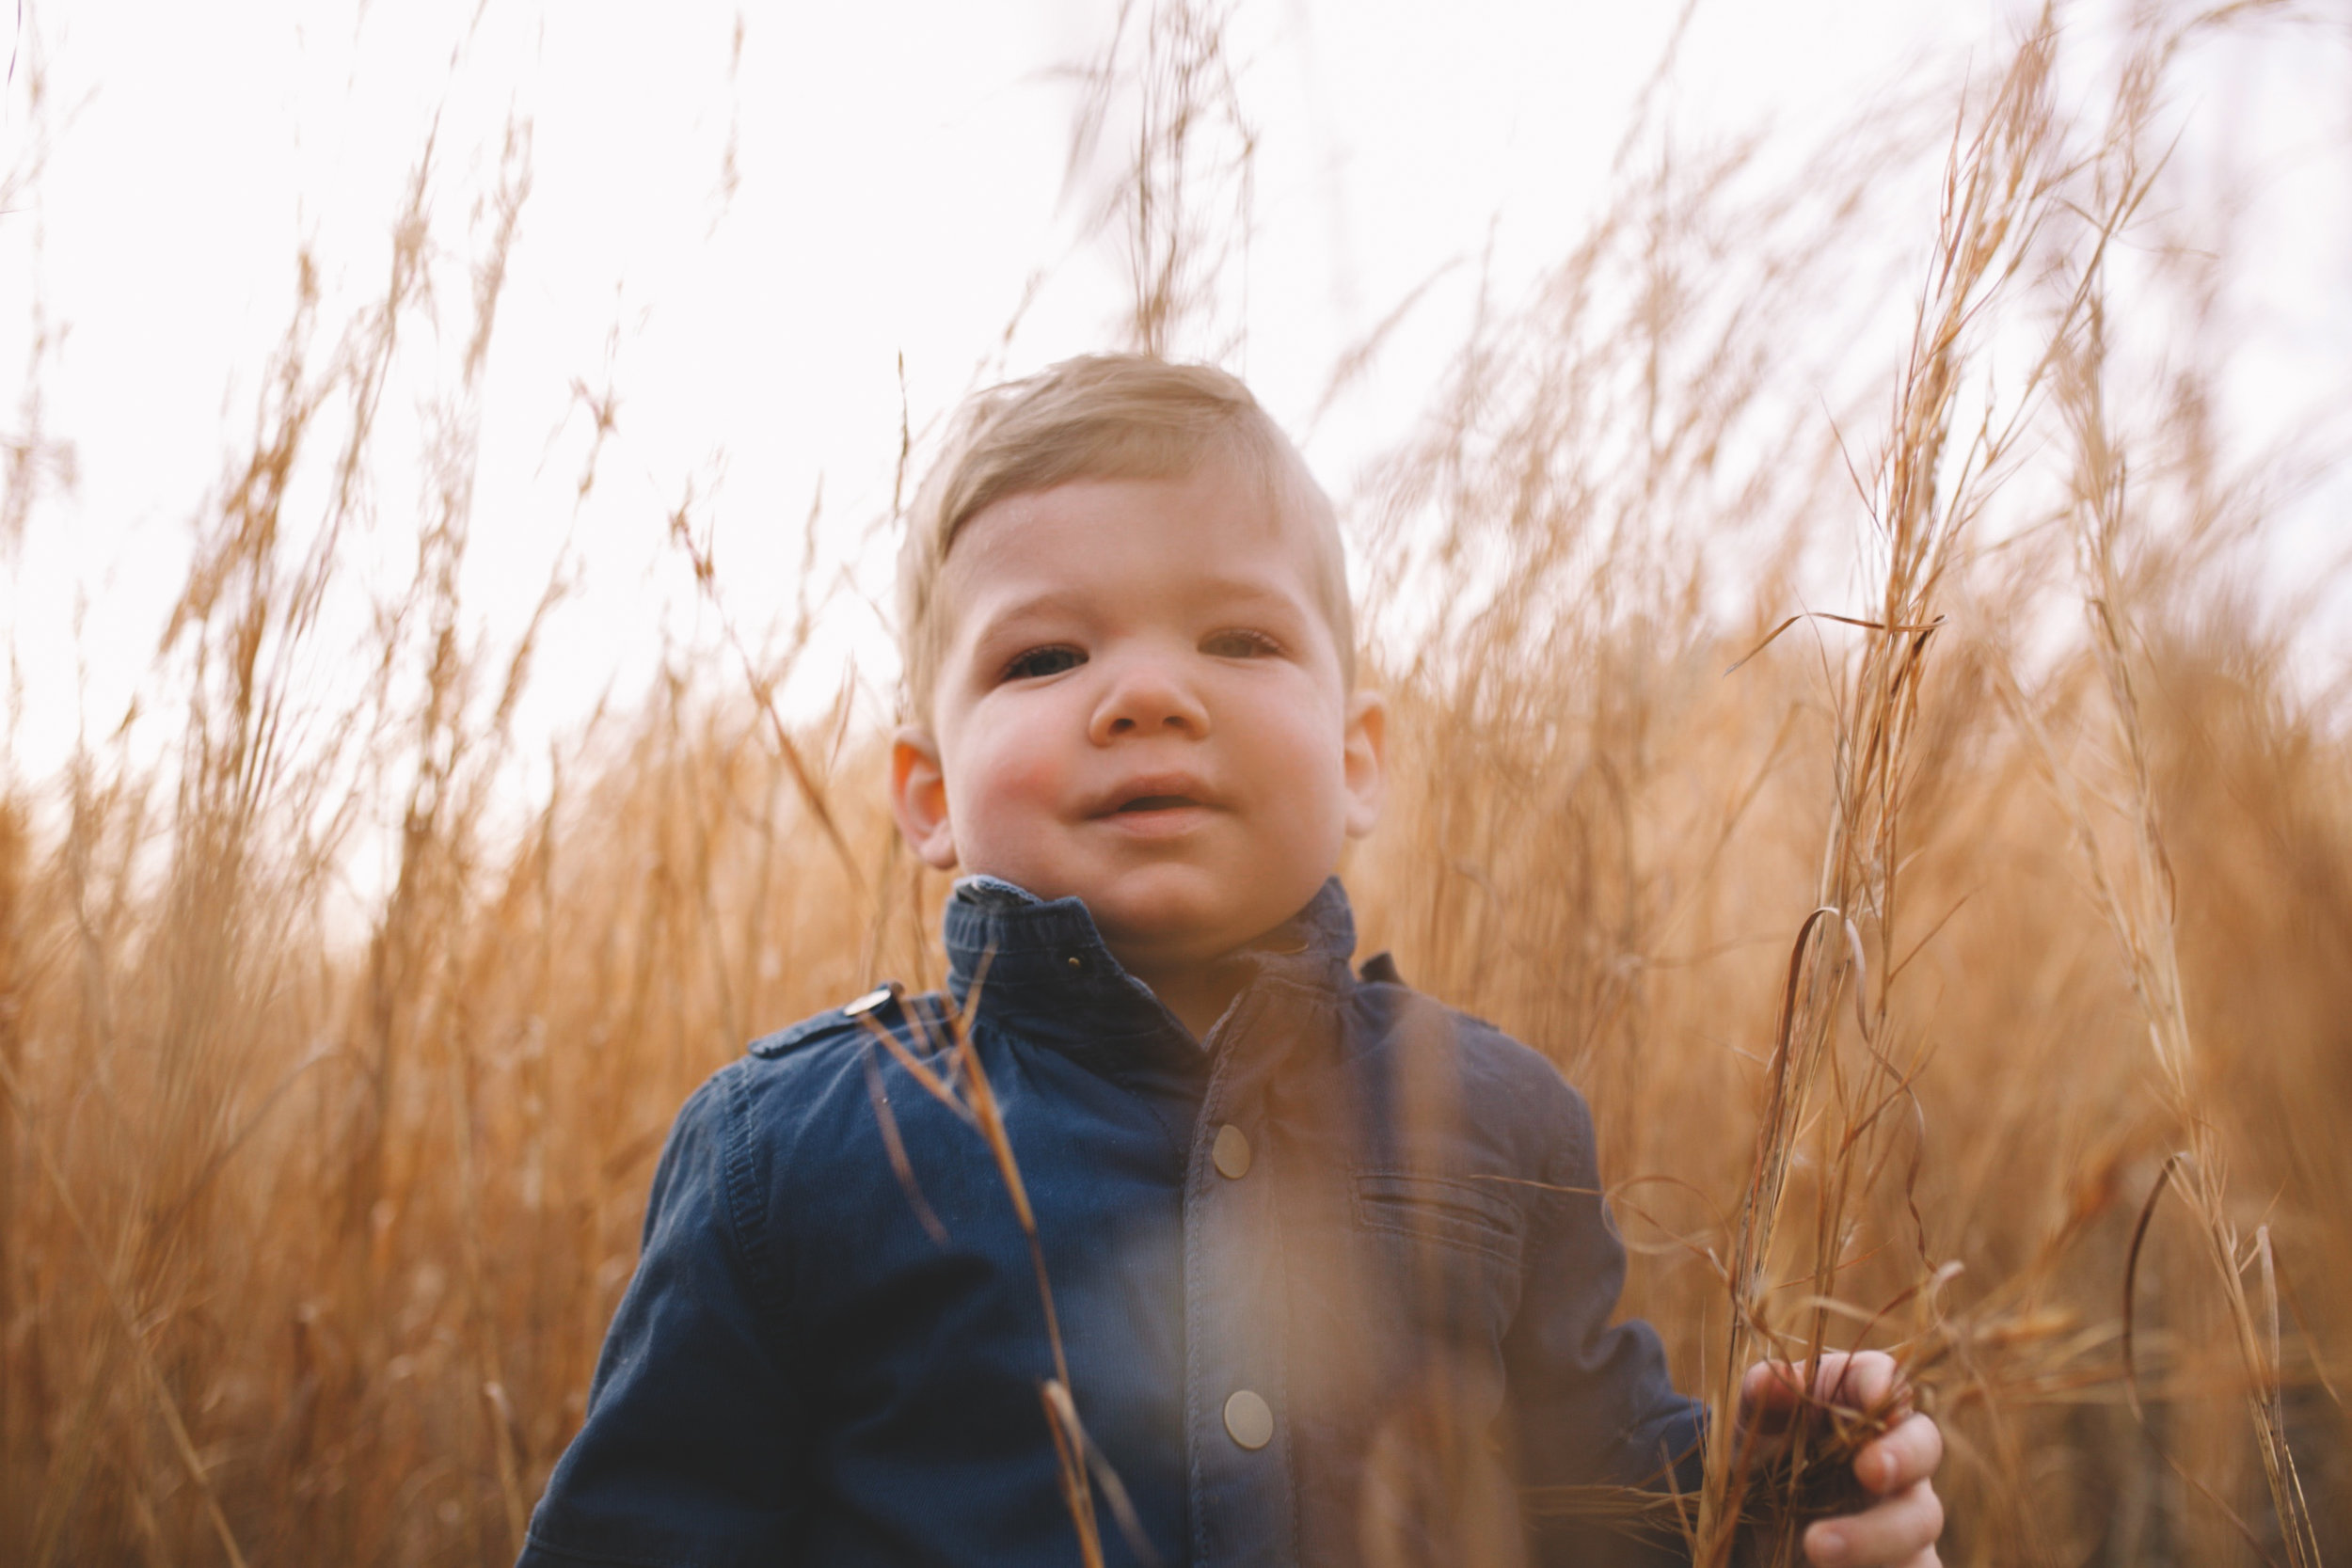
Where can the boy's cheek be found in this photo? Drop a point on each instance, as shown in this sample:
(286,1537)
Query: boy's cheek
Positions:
(1028,778)
(1007,789)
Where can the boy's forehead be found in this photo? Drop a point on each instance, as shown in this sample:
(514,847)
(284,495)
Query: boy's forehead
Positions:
(1180,510)
(1264,519)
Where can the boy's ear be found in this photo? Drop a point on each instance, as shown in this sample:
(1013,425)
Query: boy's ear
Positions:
(1367,735)
(919,797)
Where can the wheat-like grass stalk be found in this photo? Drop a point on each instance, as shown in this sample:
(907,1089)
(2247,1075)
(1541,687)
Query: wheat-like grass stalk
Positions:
(1999,189)
(2141,900)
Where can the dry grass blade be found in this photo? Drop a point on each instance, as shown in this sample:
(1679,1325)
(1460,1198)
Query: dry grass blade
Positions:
(127,1324)
(963,1087)
(1070,1432)
(1180,206)
(900,1166)
(1999,186)
(763,685)
(2220,1505)
(1773,636)
(2143,910)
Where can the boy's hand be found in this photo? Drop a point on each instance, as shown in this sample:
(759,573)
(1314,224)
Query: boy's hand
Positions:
(1901,1527)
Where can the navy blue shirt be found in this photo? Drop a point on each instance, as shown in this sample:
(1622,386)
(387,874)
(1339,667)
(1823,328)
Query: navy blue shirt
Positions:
(1334,1284)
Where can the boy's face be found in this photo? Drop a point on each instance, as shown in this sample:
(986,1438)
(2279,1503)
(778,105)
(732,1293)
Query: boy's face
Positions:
(1140,702)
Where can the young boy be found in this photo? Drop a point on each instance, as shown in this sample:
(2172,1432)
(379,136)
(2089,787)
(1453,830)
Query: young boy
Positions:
(1331,1270)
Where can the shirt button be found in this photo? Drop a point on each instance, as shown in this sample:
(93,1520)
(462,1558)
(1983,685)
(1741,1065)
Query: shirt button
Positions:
(1230,1154)
(1249,1420)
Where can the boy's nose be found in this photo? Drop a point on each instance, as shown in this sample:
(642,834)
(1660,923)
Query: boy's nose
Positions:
(1146,697)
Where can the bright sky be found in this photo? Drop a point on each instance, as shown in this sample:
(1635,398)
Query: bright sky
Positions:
(898,180)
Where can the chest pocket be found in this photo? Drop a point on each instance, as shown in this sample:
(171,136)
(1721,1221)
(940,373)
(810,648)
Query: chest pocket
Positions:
(1442,1250)
(1441,1211)
(1438,1290)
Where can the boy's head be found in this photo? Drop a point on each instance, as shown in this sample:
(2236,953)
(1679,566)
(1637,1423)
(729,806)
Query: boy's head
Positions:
(1129,660)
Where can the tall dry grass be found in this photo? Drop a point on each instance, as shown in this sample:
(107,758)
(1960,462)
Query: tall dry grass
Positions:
(1907,964)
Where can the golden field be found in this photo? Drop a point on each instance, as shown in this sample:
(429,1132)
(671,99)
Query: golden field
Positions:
(1966,972)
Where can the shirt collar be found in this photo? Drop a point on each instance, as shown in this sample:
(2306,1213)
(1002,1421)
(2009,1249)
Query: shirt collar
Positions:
(1042,966)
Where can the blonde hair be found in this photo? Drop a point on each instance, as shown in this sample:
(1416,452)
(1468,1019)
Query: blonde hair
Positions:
(1115,416)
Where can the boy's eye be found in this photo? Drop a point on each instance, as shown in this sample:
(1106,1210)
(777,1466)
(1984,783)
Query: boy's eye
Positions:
(1036,662)
(1239,644)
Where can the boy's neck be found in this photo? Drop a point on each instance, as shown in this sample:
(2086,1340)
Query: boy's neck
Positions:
(1197,991)
(1198,994)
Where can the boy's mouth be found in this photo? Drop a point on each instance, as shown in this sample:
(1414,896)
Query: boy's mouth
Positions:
(1166,798)
(1158,802)
(1158,813)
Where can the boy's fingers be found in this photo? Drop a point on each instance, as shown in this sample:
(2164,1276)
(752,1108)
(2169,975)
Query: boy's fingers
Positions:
(1898,1531)
(1769,1386)
(1904,1455)
(1861,1380)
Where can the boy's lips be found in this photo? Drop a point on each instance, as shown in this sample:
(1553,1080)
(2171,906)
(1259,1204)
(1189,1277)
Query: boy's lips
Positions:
(1152,792)
(1155,804)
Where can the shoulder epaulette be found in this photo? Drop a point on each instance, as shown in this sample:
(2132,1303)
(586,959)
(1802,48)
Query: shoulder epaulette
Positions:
(880,1003)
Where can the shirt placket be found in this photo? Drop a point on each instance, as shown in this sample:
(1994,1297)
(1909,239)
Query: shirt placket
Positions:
(1237,1420)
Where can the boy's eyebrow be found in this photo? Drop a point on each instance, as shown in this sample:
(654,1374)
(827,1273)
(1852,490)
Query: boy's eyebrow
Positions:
(981,627)
(1046,602)
(1248,591)
(1063,601)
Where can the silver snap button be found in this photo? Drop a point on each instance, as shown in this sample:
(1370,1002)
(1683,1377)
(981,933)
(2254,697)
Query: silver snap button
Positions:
(1231,1152)
(887,991)
(1249,1420)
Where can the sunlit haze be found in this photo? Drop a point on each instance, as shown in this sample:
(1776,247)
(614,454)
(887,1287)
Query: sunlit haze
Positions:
(744,252)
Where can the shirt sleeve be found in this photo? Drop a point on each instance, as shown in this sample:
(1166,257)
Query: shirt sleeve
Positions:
(693,1452)
(1590,1402)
